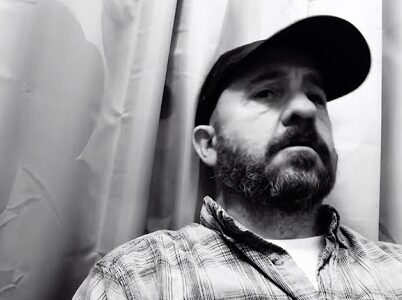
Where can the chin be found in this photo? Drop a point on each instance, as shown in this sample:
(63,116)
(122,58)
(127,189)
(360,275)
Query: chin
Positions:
(297,190)
(298,183)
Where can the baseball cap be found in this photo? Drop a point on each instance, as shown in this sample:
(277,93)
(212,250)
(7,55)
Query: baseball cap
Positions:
(337,47)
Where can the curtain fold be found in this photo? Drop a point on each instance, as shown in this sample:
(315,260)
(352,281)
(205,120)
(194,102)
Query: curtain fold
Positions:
(97,103)
(391,163)
(81,129)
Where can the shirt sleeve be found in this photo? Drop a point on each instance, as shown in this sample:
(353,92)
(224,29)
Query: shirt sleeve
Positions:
(99,285)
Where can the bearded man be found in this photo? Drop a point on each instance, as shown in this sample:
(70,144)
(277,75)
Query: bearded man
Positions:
(262,125)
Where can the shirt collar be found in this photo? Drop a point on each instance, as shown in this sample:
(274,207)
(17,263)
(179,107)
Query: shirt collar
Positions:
(213,216)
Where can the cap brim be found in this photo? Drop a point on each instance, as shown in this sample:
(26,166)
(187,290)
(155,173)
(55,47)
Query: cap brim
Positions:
(336,46)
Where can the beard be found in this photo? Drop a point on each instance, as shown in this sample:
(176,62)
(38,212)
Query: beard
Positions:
(297,183)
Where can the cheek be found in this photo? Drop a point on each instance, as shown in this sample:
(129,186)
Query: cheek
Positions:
(252,136)
(248,125)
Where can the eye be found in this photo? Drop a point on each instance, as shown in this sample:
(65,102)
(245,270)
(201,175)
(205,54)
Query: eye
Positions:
(265,93)
(317,98)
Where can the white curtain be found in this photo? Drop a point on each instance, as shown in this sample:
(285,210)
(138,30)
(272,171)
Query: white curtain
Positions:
(97,102)
(391,158)
(81,85)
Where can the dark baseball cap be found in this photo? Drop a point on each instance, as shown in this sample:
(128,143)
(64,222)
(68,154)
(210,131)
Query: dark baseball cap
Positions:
(337,47)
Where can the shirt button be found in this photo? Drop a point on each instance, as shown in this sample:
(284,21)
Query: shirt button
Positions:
(276,260)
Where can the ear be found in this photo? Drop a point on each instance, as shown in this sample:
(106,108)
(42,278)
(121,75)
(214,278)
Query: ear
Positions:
(204,141)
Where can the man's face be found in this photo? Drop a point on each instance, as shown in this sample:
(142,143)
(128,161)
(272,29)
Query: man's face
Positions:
(274,143)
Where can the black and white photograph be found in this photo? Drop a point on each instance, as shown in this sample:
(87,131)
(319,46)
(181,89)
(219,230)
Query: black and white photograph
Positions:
(200,149)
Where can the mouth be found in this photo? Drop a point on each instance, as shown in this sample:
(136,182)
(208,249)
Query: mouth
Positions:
(292,143)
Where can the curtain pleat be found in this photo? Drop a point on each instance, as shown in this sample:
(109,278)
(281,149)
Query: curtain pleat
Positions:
(391,162)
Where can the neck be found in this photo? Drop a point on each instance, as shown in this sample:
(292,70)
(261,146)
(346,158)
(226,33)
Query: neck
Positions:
(271,223)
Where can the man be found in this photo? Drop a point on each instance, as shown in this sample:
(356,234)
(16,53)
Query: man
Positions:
(262,125)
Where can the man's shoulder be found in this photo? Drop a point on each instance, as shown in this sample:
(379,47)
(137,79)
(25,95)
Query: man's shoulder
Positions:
(153,248)
(137,267)
(377,249)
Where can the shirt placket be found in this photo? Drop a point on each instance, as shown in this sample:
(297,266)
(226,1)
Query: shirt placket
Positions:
(281,270)
(327,267)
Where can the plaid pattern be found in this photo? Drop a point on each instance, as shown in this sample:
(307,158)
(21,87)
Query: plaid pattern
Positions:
(221,259)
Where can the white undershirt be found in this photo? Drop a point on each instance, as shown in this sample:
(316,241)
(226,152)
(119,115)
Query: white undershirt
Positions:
(305,252)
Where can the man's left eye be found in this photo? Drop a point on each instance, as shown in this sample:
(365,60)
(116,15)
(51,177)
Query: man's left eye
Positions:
(316,98)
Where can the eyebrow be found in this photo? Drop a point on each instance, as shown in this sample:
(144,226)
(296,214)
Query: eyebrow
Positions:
(274,75)
(270,75)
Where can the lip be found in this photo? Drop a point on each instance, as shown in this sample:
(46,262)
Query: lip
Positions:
(299,148)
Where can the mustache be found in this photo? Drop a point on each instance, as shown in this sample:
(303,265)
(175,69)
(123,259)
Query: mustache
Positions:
(300,136)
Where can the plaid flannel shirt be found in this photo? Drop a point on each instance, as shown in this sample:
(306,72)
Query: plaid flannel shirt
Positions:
(221,259)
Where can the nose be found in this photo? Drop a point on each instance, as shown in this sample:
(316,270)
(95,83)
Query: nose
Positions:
(299,108)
